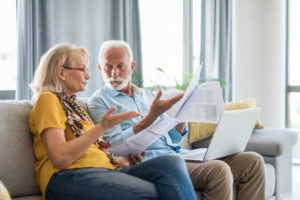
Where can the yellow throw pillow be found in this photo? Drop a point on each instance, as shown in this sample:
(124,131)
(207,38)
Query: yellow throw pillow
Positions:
(200,131)
(244,104)
(4,195)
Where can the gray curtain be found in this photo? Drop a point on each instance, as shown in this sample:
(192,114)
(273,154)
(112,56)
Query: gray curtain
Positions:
(216,45)
(41,24)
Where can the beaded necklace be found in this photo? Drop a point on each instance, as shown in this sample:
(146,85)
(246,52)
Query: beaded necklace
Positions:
(76,115)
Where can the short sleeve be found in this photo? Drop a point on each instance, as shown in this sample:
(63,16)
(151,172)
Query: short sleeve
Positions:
(48,113)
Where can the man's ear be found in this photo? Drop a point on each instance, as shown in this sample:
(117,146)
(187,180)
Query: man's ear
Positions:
(99,67)
(60,73)
(133,65)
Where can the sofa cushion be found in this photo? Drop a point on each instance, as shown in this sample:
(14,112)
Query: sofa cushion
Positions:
(16,152)
(244,104)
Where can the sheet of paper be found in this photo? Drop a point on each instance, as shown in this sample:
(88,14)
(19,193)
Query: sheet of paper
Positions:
(204,105)
(192,86)
(140,141)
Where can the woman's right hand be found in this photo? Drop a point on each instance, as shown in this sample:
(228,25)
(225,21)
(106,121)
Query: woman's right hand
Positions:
(109,120)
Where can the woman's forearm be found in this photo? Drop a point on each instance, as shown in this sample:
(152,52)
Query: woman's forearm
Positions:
(63,153)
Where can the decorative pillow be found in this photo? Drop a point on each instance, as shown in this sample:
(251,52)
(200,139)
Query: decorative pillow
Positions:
(200,131)
(4,195)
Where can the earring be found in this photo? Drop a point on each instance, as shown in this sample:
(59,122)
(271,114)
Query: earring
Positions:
(63,78)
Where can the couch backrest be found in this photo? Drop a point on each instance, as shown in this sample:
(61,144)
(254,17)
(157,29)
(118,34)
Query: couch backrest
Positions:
(16,153)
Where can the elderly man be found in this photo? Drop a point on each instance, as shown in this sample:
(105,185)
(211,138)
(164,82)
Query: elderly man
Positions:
(213,178)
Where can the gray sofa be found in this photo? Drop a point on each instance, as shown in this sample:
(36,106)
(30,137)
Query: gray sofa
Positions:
(17,157)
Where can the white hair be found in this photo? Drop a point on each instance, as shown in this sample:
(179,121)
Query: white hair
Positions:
(114,44)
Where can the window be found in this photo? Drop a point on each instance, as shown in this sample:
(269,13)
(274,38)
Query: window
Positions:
(293,87)
(8,47)
(196,33)
(162,41)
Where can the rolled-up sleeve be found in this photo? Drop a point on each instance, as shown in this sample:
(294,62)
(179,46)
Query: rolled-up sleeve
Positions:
(116,135)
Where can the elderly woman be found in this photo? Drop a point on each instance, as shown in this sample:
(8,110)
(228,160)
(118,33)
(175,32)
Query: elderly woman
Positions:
(71,162)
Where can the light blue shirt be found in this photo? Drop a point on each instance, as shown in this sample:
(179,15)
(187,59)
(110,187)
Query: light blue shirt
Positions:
(99,103)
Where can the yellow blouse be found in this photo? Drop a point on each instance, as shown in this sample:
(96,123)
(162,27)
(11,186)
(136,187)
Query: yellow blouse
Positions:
(48,112)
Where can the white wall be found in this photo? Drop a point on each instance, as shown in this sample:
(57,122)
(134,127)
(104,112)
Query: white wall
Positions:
(259,56)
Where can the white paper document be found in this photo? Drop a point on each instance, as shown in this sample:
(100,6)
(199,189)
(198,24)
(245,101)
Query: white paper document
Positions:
(203,103)
(192,86)
(140,141)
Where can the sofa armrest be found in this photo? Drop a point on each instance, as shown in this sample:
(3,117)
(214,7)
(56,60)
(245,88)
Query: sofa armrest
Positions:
(272,142)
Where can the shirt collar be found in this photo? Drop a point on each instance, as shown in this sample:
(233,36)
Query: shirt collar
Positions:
(114,93)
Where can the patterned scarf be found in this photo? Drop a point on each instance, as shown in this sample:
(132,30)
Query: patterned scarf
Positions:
(76,115)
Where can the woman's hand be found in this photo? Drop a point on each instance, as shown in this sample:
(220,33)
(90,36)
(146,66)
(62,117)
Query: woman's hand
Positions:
(109,120)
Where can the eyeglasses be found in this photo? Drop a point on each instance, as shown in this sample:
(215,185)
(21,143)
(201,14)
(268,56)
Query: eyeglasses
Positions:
(82,69)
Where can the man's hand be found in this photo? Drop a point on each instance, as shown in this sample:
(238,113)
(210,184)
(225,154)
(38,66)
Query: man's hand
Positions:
(128,161)
(136,159)
(180,127)
(157,108)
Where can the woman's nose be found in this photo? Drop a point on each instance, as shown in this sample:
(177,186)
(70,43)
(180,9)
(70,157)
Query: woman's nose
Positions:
(87,76)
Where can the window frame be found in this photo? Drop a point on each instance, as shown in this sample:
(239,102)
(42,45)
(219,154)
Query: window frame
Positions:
(187,54)
(10,93)
(7,94)
(289,88)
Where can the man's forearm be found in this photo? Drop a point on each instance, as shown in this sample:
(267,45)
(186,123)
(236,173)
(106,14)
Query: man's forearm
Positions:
(144,123)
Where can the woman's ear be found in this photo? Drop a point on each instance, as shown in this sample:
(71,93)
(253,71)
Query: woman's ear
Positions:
(60,73)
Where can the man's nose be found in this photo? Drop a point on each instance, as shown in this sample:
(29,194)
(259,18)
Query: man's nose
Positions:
(115,71)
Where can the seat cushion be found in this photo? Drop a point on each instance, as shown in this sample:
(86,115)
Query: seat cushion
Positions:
(16,152)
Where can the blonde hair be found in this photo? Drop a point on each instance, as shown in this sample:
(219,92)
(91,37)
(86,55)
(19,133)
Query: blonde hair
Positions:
(46,77)
(114,44)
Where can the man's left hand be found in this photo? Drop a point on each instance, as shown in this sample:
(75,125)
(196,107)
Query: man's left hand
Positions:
(180,127)
(136,159)
(123,162)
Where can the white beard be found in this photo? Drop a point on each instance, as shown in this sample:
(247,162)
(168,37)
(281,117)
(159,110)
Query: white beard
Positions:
(116,86)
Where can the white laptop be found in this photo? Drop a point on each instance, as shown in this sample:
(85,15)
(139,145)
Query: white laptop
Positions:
(231,136)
